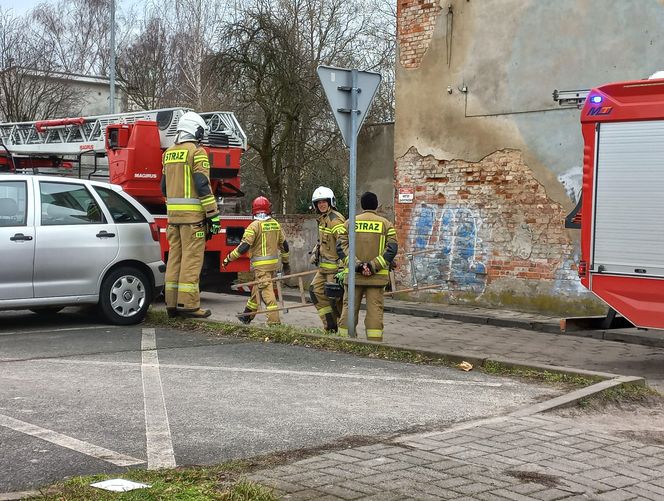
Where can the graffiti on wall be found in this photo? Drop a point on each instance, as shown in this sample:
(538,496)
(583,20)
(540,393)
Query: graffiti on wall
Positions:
(453,235)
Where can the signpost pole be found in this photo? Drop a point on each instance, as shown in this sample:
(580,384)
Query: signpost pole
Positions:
(352,197)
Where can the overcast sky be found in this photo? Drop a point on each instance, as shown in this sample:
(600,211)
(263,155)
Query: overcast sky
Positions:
(19,6)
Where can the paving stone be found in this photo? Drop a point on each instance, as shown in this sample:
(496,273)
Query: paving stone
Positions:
(409,459)
(386,496)
(341,458)
(617,495)
(453,482)
(527,488)
(428,472)
(355,485)
(514,496)
(393,466)
(382,478)
(486,496)
(340,492)
(373,462)
(473,488)
(550,494)
(619,481)
(318,480)
(358,454)
(429,456)
(305,495)
(642,493)
(282,485)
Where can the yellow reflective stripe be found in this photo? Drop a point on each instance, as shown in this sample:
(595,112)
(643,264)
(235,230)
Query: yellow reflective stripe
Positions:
(208,199)
(273,307)
(171,286)
(177,207)
(263,245)
(329,266)
(340,228)
(187,287)
(383,272)
(374,333)
(252,305)
(263,263)
(175,156)
(325,310)
(391,232)
(368,226)
(200,158)
(187,181)
(342,331)
(325,230)
(382,243)
(249,232)
(234,255)
(382,261)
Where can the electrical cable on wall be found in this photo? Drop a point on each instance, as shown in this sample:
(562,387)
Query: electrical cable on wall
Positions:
(448,33)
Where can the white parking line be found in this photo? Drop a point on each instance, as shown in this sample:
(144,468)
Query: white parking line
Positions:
(50,331)
(157,429)
(368,377)
(68,442)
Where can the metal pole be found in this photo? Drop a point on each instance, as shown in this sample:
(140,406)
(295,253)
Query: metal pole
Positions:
(111,73)
(351,204)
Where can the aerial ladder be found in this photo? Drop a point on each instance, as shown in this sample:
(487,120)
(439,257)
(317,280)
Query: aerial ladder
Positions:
(126,149)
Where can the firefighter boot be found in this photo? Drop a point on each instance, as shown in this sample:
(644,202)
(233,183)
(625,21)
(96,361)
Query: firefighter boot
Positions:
(246,319)
(199,313)
(172,312)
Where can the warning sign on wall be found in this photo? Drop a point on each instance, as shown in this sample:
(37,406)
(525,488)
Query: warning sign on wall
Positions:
(406,195)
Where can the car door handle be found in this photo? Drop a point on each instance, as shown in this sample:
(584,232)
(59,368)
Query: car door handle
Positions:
(20,236)
(105,234)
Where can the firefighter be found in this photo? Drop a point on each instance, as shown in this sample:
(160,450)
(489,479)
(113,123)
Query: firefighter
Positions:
(265,241)
(191,208)
(376,247)
(324,255)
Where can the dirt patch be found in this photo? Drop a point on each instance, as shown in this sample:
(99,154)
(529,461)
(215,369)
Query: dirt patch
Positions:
(534,477)
(640,421)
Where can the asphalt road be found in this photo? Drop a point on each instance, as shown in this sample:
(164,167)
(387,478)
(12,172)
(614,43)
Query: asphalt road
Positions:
(79,398)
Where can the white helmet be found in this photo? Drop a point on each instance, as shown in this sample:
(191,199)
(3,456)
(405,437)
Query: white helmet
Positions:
(192,124)
(323,193)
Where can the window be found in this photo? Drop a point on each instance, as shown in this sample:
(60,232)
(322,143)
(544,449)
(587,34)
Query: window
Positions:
(64,203)
(13,203)
(120,208)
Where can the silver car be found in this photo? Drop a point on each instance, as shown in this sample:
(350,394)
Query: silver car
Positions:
(66,242)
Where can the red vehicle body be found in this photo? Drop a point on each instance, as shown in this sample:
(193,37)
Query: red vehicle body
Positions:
(132,145)
(622,206)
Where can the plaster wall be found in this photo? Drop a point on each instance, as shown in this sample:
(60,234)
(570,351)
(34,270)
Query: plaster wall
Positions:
(474,105)
(375,164)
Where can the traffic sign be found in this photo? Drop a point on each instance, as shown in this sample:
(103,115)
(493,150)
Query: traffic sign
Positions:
(338,86)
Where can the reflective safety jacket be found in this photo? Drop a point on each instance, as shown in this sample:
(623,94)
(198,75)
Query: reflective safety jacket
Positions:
(330,226)
(186,184)
(375,243)
(266,244)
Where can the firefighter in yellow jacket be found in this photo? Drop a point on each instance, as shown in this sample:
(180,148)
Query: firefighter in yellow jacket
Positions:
(266,244)
(191,208)
(330,226)
(375,248)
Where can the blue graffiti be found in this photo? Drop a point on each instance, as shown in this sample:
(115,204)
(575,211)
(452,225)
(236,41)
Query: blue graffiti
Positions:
(456,248)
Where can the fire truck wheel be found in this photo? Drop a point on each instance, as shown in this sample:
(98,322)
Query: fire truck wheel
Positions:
(125,296)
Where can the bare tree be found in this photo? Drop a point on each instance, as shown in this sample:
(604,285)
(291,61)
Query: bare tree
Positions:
(272,51)
(147,65)
(30,86)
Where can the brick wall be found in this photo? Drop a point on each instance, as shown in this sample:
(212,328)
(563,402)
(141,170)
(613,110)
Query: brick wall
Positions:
(493,230)
(416,20)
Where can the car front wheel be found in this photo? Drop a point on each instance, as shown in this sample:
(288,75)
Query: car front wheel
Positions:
(125,296)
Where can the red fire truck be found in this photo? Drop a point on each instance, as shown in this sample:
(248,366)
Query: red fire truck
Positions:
(126,149)
(621,212)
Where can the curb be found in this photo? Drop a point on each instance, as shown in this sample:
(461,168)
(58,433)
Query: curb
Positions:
(11,496)
(638,337)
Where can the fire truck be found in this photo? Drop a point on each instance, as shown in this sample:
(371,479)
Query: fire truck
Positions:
(621,211)
(126,149)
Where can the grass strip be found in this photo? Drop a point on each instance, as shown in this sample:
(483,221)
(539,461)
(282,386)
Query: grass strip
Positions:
(224,482)
(316,338)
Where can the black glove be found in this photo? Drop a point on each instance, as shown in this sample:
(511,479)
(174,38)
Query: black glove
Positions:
(286,269)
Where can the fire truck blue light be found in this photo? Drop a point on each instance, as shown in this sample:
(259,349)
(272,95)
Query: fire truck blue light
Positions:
(596,99)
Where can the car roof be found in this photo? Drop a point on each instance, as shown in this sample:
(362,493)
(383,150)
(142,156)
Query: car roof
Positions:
(61,179)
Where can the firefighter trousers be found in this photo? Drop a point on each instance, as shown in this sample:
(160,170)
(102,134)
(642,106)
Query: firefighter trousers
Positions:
(183,270)
(328,309)
(373,322)
(264,290)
